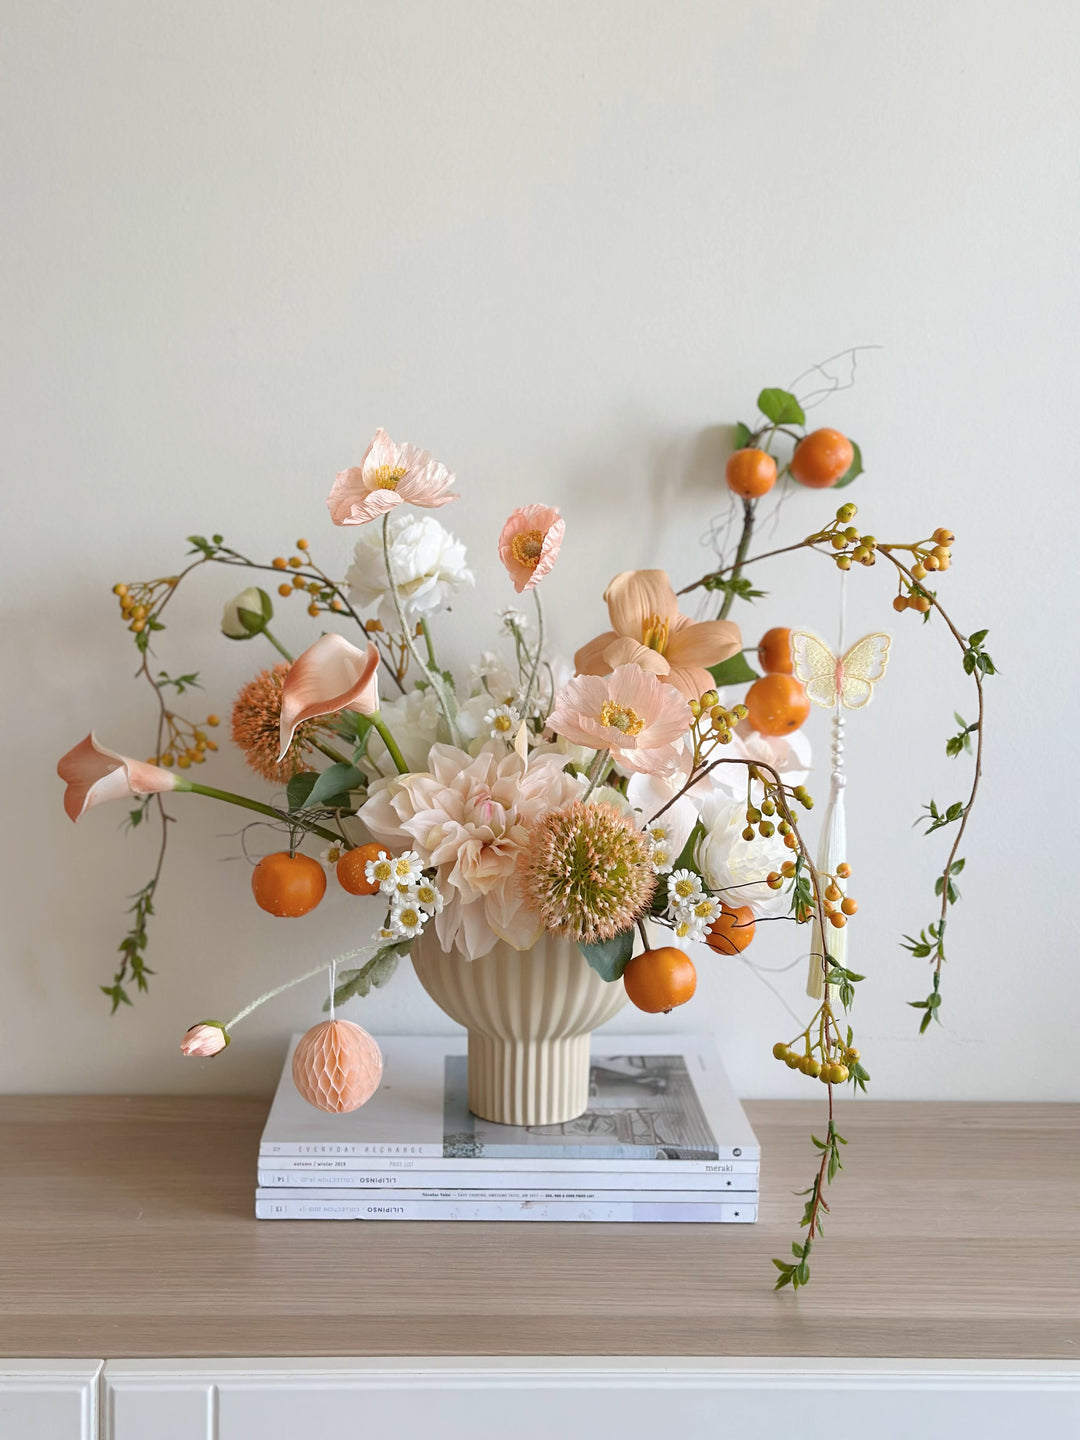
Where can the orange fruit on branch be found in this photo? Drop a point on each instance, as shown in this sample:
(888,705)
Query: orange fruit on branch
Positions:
(288,885)
(351,868)
(774,651)
(732,930)
(777,704)
(658,980)
(750,473)
(822,458)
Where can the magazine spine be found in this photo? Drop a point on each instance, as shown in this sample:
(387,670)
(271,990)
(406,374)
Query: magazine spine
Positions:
(518,1195)
(649,1212)
(456,1182)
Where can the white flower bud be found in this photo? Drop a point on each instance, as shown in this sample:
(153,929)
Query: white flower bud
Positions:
(247,614)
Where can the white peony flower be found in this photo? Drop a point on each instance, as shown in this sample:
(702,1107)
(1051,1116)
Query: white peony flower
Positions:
(415,721)
(789,755)
(428,563)
(734,867)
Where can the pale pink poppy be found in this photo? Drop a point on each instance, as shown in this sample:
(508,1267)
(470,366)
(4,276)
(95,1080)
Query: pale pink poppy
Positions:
(209,1037)
(647,630)
(388,475)
(94,773)
(329,676)
(630,712)
(529,544)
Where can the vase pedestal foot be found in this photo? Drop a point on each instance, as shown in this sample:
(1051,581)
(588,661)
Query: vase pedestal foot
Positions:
(528,1082)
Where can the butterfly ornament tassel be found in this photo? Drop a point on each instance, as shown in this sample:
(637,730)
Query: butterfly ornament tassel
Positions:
(837,683)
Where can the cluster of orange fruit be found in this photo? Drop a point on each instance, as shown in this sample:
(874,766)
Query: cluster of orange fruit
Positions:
(185,744)
(290,884)
(137,601)
(820,460)
(658,980)
(776,704)
(831,1070)
(315,588)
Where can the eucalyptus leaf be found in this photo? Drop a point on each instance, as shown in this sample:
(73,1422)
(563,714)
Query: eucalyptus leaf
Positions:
(609,958)
(735,670)
(333,782)
(854,470)
(299,788)
(373,974)
(781,407)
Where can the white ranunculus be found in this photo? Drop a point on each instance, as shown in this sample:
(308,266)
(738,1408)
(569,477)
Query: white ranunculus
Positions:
(428,564)
(727,860)
(415,722)
(257,612)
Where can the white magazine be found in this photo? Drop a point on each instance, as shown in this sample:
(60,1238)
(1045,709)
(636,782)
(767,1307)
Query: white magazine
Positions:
(283,1205)
(492,1182)
(656,1102)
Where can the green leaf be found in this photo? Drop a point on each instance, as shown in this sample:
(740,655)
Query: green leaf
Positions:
(978,637)
(742,435)
(854,470)
(609,958)
(735,670)
(299,788)
(335,781)
(781,407)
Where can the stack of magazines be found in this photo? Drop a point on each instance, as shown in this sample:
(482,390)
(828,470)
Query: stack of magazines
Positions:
(664,1139)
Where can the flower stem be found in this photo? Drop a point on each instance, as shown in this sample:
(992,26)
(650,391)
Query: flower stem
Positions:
(388,740)
(531,686)
(433,664)
(740,555)
(329,752)
(435,679)
(248,804)
(277,645)
(297,980)
(598,772)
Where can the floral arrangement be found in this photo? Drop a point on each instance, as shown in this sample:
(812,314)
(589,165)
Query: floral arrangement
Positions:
(657,784)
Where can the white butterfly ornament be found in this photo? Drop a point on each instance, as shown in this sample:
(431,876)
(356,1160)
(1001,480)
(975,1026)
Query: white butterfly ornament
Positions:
(832,680)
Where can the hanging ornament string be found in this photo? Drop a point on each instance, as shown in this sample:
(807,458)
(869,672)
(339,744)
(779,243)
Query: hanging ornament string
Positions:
(333,987)
(844,681)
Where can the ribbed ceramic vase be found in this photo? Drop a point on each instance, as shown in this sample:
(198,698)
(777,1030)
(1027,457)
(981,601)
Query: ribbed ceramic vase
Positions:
(529,1015)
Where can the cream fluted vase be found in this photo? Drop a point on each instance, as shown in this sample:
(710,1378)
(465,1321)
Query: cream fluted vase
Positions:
(529,1015)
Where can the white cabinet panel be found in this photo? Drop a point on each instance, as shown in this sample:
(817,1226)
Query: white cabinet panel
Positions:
(49,1399)
(602,1399)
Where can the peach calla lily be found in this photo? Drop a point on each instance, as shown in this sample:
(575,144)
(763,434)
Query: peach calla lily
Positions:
(94,773)
(529,544)
(647,630)
(388,475)
(329,676)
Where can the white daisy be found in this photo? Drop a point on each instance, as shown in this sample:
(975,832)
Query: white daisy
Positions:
(428,896)
(684,889)
(705,910)
(406,918)
(332,854)
(408,869)
(688,927)
(502,722)
(380,871)
(384,936)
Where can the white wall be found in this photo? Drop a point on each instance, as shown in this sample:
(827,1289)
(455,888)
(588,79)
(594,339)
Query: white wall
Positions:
(556,243)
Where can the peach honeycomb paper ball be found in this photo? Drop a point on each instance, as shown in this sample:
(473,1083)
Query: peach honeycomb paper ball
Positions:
(337,1066)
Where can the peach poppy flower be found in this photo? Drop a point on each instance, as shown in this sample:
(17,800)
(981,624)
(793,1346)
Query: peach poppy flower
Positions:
(329,676)
(93,773)
(647,630)
(388,475)
(529,544)
(630,712)
(209,1037)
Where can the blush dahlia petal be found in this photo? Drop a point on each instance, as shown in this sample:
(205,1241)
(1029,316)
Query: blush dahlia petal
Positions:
(329,676)
(529,544)
(94,773)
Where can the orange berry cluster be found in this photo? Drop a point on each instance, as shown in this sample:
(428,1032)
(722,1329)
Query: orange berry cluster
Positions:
(931,555)
(185,744)
(138,600)
(759,821)
(845,539)
(321,594)
(713,724)
(831,1069)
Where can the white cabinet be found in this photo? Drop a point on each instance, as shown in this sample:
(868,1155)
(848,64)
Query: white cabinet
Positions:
(602,1399)
(49,1399)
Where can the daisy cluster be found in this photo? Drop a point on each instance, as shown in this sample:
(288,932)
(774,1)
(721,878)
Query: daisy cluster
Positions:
(414,897)
(690,910)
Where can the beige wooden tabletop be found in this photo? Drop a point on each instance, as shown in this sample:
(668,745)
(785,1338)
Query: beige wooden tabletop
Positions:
(126,1230)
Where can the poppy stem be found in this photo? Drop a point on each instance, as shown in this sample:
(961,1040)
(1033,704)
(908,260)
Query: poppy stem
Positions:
(388,740)
(182,783)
